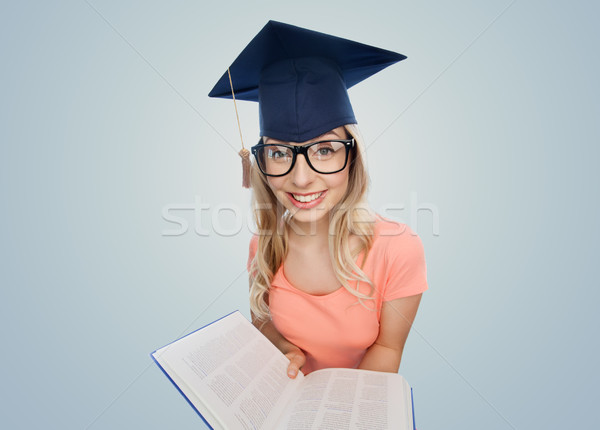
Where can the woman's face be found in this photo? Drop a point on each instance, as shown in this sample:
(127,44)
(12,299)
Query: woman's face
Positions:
(308,195)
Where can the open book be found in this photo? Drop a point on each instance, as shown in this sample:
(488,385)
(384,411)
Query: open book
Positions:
(235,378)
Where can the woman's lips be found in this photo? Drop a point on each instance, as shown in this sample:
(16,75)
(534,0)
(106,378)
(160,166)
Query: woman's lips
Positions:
(317,199)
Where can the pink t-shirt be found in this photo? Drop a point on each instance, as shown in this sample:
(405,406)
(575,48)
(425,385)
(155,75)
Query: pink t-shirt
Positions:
(335,330)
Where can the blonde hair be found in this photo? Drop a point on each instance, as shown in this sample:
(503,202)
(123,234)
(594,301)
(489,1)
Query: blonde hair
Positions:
(351,214)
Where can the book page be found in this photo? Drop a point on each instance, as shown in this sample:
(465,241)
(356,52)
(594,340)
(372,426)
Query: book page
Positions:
(236,372)
(339,399)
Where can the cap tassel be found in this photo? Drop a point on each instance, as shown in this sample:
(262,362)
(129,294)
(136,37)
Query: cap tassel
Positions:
(244,153)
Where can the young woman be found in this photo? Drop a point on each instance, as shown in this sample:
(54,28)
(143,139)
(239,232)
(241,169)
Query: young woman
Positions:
(331,283)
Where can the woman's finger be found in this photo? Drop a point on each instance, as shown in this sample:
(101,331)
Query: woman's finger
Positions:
(297,360)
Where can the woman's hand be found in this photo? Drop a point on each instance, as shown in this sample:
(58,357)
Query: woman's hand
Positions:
(297,360)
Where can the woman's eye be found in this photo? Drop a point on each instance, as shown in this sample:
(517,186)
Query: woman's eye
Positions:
(278,154)
(322,151)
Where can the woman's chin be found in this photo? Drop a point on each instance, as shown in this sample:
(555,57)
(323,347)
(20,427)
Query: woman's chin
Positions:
(309,216)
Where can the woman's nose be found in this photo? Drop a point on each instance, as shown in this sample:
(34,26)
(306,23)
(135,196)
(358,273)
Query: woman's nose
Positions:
(302,174)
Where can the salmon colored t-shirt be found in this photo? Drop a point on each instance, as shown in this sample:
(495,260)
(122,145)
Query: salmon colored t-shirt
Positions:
(335,330)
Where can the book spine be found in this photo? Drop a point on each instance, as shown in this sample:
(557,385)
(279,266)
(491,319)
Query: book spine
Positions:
(181,392)
(412,402)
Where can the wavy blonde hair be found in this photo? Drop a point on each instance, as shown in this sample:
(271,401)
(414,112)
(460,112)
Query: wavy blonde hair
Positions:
(351,214)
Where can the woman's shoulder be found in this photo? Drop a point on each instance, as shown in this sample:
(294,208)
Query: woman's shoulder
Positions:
(254,242)
(385,227)
(252,250)
(398,259)
(395,237)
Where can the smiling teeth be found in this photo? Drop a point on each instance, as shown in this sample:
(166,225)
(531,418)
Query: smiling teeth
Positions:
(309,198)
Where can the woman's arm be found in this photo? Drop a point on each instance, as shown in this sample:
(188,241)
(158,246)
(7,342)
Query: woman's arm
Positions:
(397,317)
(291,351)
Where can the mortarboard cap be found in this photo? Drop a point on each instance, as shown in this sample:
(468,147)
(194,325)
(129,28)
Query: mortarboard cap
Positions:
(300,79)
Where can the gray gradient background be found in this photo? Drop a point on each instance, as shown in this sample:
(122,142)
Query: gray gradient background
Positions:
(491,123)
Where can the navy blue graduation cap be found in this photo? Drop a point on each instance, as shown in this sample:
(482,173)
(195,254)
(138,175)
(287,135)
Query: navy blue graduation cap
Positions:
(300,79)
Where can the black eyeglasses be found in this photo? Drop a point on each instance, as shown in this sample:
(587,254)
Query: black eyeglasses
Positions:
(324,156)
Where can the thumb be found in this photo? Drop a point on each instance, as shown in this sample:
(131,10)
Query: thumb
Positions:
(297,360)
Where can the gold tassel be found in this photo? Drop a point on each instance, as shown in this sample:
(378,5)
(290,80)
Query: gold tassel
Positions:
(245,154)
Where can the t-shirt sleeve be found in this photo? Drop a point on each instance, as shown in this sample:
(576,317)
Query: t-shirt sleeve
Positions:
(252,252)
(406,271)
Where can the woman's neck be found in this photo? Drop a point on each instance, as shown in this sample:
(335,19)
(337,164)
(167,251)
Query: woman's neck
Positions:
(314,233)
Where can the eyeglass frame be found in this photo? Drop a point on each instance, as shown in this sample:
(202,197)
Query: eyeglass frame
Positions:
(349,144)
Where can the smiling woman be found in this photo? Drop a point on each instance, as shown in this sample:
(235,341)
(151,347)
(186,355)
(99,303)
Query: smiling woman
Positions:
(331,283)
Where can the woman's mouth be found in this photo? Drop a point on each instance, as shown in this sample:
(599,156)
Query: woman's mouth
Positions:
(307,201)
